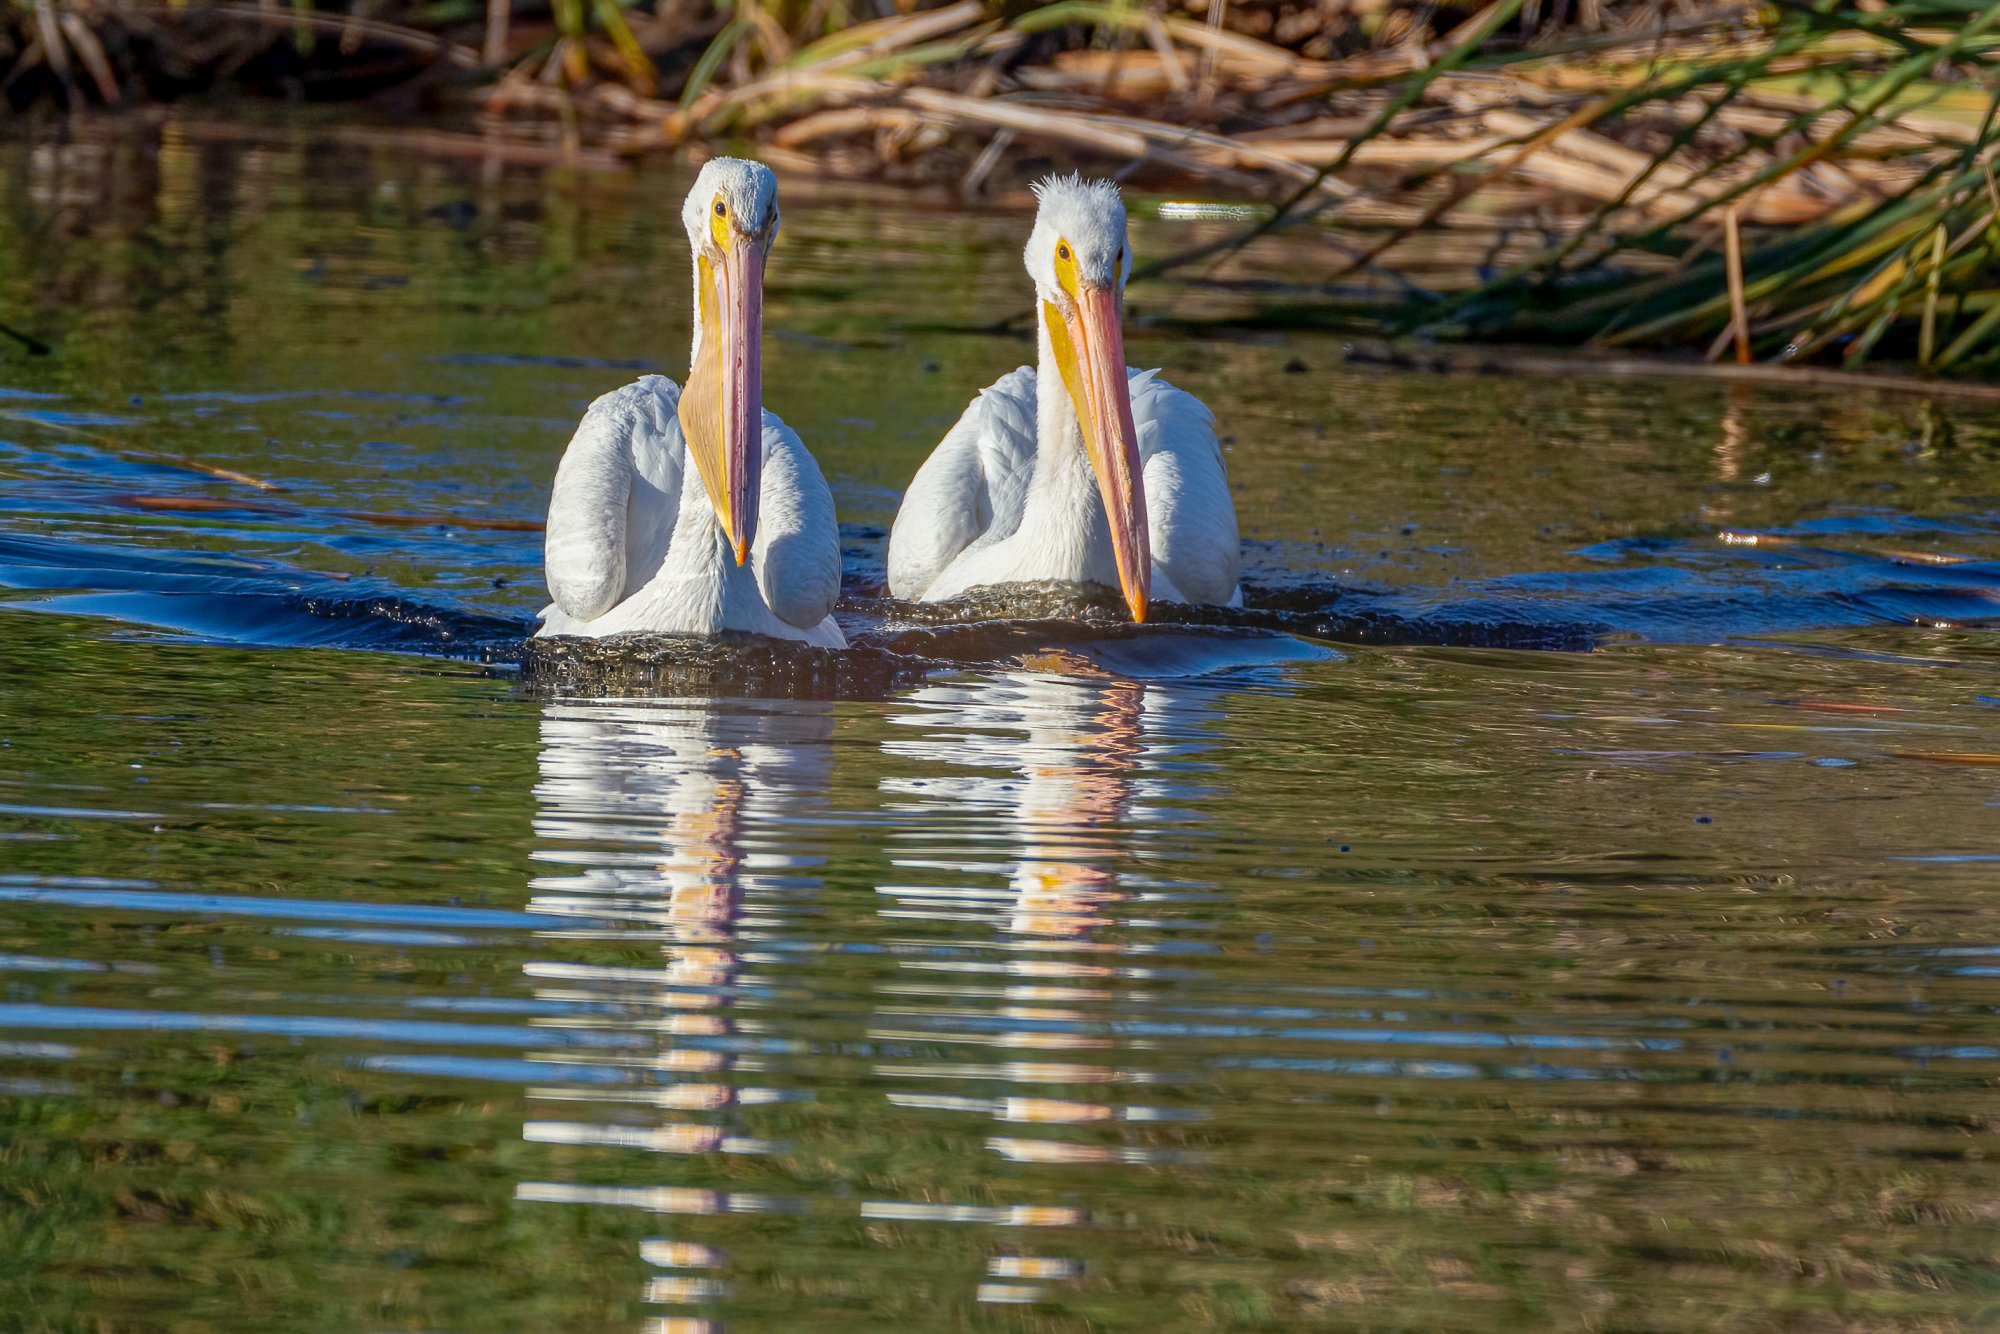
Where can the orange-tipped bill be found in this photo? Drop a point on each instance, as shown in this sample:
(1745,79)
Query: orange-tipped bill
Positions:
(1090,350)
(722,409)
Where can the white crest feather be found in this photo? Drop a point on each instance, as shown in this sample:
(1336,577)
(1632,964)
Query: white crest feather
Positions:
(1090,216)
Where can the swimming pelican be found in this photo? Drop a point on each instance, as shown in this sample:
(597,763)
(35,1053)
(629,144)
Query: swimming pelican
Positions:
(744,540)
(1008,496)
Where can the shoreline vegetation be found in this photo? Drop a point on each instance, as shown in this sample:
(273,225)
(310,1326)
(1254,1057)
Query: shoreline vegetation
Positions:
(1802,183)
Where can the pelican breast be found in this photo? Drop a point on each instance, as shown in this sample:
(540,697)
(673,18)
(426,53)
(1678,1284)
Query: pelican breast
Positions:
(961,522)
(633,545)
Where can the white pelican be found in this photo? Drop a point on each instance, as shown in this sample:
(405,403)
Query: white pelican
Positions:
(1008,496)
(744,540)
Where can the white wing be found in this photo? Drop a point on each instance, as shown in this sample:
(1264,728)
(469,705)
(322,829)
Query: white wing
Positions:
(797,546)
(972,487)
(616,497)
(1191,519)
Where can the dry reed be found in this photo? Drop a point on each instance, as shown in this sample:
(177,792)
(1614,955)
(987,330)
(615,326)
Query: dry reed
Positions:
(1802,182)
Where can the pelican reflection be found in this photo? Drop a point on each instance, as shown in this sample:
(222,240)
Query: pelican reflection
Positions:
(1033,843)
(1059,771)
(662,827)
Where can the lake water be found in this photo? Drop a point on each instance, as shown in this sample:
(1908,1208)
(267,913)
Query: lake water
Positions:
(1586,917)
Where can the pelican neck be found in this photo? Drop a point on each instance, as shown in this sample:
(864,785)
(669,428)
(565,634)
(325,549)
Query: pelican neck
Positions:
(1062,468)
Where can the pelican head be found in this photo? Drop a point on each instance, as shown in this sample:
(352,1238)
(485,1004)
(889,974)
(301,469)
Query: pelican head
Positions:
(1079,257)
(732,220)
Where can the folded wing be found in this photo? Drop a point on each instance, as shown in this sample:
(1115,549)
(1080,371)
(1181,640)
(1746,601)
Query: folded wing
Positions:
(797,546)
(970,490)
(617,494)
(1191,518)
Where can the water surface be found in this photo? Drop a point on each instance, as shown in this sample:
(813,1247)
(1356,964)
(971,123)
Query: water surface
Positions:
(1407,977)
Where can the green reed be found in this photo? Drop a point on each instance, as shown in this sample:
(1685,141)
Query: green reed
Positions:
(1916,273)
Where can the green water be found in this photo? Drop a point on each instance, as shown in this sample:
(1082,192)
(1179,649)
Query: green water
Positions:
(1418,982)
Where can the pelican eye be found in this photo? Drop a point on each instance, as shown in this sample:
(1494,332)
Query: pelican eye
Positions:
(718,225)
(1067,277)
